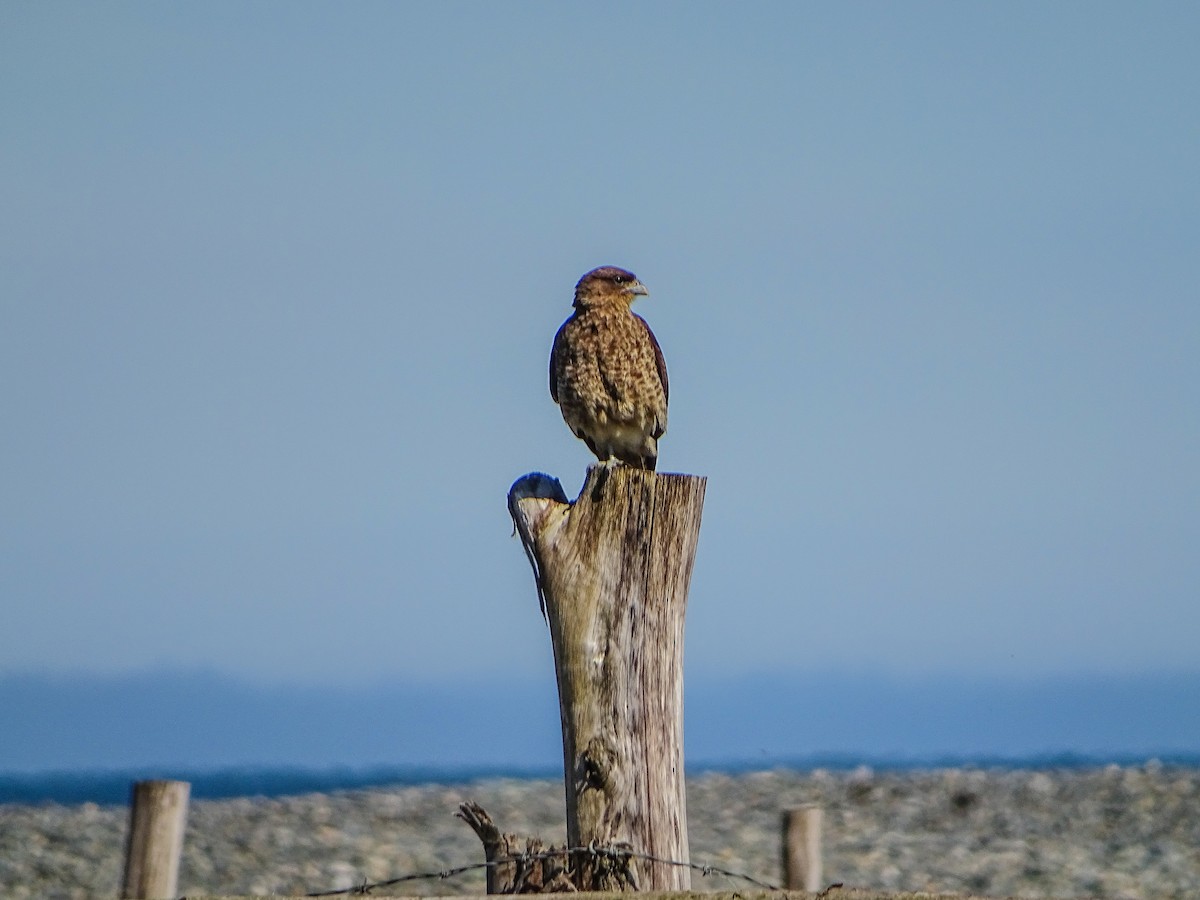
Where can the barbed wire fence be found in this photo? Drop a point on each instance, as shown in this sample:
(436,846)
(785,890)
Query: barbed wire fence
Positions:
(619,855)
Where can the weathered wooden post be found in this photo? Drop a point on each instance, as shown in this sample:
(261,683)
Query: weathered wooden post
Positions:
(802,849)
(157,815)
(612,572)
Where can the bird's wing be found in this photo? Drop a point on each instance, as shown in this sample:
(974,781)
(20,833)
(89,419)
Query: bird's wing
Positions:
(554,364)
(659,362)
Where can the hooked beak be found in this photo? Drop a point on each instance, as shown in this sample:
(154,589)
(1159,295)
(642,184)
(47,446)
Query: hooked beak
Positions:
(636,287)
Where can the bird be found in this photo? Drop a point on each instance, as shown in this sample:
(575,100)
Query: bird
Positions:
(607,372)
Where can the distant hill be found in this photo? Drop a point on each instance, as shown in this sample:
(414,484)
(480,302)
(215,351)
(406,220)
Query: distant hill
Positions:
(202,721)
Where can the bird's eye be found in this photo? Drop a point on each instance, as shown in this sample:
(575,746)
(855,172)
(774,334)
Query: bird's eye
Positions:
(619,279)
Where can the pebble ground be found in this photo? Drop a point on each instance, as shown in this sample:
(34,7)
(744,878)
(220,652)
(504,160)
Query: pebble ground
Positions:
(1121,833)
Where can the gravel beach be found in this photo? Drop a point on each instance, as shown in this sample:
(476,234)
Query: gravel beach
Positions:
(1110,832)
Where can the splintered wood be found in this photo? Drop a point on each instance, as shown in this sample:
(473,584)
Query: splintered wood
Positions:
(612,572)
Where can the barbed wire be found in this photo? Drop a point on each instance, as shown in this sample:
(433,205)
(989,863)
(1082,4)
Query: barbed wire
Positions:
(595,851)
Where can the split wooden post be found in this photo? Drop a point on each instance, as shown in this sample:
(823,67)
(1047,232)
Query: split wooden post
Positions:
(157,815)
(802,849)
(612,571)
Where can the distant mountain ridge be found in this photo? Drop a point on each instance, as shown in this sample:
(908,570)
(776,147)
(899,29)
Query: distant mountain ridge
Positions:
(197,721)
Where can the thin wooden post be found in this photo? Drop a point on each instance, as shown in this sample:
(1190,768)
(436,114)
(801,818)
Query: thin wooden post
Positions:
(157,815)
(612,572)
(802,849)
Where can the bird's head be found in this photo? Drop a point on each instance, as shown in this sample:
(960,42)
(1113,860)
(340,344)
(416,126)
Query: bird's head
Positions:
(607,284)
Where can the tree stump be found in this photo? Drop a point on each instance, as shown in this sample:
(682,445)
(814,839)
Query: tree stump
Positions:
(612,572)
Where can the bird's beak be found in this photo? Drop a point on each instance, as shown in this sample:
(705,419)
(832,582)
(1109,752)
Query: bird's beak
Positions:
(636,287)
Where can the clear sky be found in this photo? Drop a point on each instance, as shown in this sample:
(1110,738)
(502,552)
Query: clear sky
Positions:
(278,283)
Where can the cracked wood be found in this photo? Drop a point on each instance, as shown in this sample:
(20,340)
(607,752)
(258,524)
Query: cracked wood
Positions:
(612,571)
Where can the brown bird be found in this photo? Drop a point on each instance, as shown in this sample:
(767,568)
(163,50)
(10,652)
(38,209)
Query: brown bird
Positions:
(607,372)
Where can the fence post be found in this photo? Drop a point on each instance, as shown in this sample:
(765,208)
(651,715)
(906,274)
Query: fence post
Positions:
(157,815)
(802,849)
(612,572)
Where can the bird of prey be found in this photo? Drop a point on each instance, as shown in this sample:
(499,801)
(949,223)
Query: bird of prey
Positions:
(607,372)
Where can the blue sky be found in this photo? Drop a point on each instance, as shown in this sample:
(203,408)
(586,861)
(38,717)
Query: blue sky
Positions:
(278,283)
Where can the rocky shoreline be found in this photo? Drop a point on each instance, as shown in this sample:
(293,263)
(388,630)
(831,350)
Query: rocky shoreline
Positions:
(1131,833)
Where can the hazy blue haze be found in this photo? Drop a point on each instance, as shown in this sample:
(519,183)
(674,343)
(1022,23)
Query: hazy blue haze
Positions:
(278,283)
(71,738)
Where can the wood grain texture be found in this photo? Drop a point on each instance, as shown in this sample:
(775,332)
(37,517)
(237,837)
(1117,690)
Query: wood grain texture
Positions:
(157,817)
(525,867)
(613,570)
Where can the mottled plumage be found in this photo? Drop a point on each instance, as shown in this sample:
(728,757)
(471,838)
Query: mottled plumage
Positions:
(607,373)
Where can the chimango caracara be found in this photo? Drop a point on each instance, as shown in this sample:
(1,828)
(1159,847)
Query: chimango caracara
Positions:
(607,372)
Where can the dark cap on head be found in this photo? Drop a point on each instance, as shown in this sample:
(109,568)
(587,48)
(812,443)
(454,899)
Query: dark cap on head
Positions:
(611,274)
